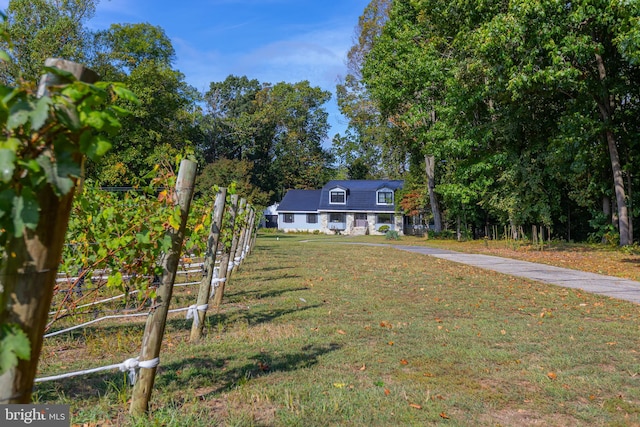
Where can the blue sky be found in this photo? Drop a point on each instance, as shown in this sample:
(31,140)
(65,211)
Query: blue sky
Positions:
(269,40)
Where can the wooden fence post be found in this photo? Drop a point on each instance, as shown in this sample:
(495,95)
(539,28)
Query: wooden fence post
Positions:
(30,264)
(249,235)
(156,321)
(209,263)
(227,256)
(241,250)
(236,249)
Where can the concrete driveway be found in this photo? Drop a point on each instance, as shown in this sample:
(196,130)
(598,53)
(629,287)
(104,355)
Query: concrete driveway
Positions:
(615,287)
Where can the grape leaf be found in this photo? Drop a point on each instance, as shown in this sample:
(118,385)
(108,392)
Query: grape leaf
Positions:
(14,345)
(7,164)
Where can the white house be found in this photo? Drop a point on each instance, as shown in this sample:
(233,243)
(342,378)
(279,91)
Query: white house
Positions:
(345,206)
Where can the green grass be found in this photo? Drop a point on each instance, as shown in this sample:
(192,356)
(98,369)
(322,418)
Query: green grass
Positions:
(315,333)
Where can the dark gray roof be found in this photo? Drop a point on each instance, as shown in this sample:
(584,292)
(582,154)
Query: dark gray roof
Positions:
(300,201)
(361,195)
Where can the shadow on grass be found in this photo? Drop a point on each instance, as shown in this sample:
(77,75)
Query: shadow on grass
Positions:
(206,377)
(260,293)
(272,277)
(99,384)
(255,317)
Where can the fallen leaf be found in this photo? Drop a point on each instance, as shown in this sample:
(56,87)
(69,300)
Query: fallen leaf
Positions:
(341,332)
(503,332)
(444,416)
(552,375)
(438,320)
(404,362)
(390,342)
(415,405)
(339,385)
(386,392)
(363,367)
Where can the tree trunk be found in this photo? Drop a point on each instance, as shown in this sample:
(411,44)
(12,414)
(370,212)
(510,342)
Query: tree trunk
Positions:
(630,207)
(433,198)
(606,106)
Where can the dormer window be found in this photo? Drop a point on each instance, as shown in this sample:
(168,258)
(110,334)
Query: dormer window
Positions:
(337,196)
(385,196)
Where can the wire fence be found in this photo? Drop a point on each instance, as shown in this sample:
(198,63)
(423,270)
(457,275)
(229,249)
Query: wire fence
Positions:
(88,293)
(132,365)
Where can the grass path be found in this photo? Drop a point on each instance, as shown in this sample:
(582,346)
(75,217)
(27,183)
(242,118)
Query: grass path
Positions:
(321,335)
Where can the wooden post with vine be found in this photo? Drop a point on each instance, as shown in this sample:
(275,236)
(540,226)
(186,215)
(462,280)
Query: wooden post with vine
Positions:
(156,321)
(241,250)
(246,245)
(227,254)
(31,258)
(209,263)
(241,223)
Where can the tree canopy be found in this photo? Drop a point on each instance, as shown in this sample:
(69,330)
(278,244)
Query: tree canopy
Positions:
(528,107)
(268,137)
(278,128)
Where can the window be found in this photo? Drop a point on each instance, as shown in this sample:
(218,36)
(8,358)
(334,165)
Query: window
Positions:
(312,218)
(385,218)
(337,197)
(288,218)
(336,217)
(385,197)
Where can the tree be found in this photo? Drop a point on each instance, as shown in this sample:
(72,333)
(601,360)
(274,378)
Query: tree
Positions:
(369,136)
(295,116)
(278,128)
(41,29)
(406,71)
(225,172)
(575,61)
(160,126)
(524,105)
(229,129)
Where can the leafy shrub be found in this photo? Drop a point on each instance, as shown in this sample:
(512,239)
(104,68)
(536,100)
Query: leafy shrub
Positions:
(391,235)
(384,228)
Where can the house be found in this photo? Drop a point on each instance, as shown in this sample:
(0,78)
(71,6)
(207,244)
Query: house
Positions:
(342,206)
(270,217)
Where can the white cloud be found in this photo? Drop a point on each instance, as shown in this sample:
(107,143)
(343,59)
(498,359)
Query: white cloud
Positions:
(317,56)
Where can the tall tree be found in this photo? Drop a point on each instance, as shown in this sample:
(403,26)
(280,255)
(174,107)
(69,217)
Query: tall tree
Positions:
(570,60)
(368,135)
(295,114)
(159,127)
(41,29)
(528,102)
(229,129)
(278,128)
